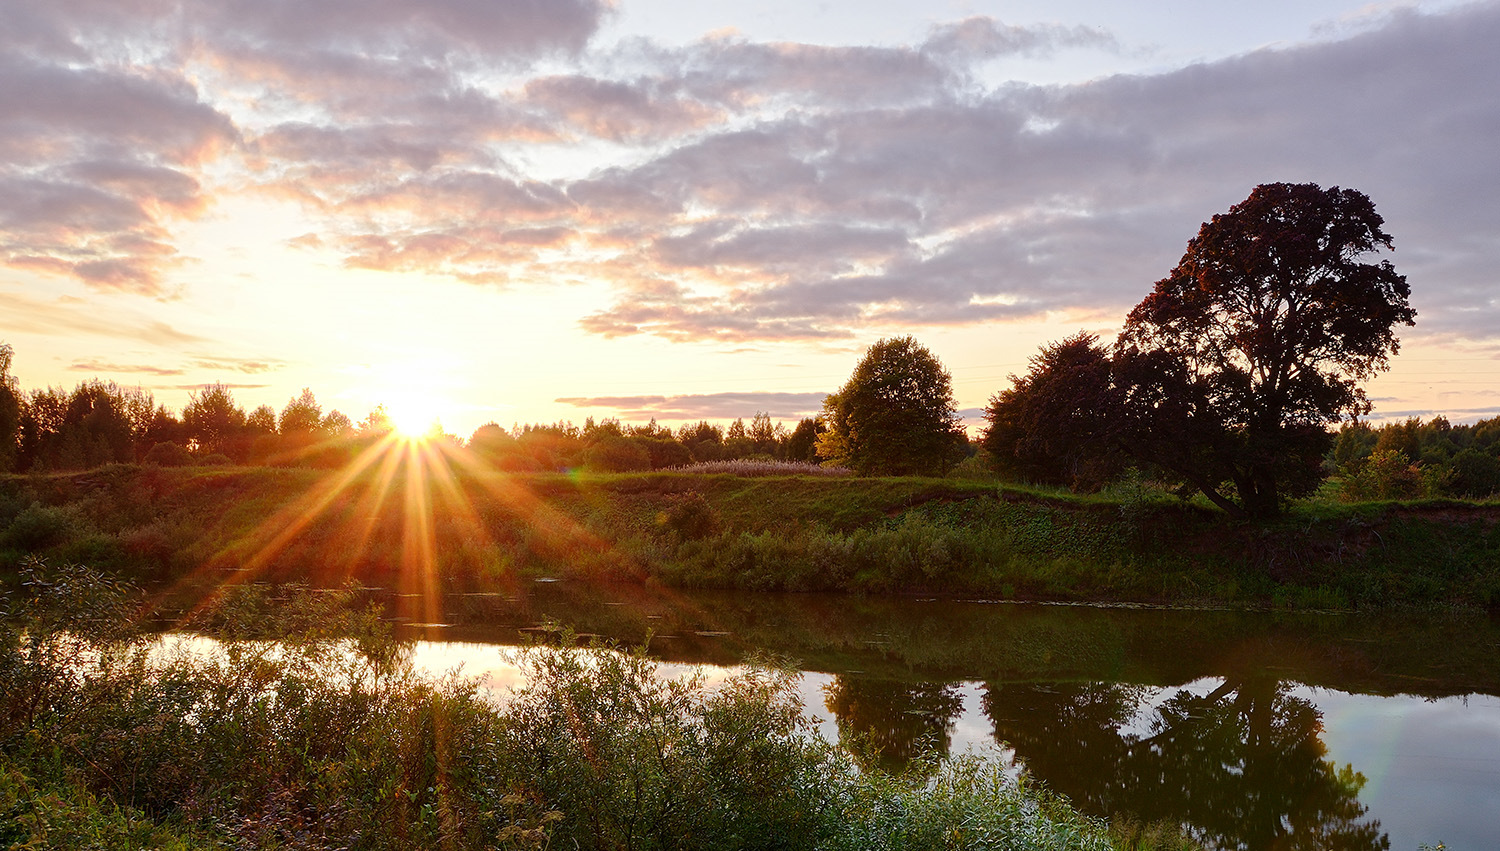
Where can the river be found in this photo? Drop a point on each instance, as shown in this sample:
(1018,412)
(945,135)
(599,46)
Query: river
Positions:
(1259,730)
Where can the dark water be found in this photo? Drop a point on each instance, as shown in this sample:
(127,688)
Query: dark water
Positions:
(1257,730)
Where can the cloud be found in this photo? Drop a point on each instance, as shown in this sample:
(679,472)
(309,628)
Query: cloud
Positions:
(29,316)
(97,161)
(980,37)
(205,385)
(245,365)
(1030,201)
(96,367)
(110,111)
(729,190)
(705,406)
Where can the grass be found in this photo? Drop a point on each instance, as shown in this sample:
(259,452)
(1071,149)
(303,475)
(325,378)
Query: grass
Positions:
(308,730)
(485,529)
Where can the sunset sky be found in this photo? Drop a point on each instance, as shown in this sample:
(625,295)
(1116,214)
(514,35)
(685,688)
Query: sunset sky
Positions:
(533,210)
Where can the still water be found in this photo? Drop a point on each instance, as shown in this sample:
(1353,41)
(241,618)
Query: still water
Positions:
(1259,730)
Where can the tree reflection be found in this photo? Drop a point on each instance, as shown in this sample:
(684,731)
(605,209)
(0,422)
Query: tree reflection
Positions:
(889,724)
(1241,767)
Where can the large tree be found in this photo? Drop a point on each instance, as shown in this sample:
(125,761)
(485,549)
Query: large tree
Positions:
(895,416)
(1233,368)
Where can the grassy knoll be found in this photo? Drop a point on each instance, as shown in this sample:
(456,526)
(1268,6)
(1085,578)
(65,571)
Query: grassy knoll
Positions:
(328,739)
(416,531)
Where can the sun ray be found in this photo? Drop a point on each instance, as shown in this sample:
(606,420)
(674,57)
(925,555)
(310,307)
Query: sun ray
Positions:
(278,530)
(418,543)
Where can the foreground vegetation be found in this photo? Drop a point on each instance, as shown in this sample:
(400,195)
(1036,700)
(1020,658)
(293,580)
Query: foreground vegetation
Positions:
(326,738)
(467,528)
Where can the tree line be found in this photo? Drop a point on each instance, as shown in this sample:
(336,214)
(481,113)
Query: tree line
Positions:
(99,422)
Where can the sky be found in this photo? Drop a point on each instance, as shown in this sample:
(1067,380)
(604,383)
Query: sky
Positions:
(539,210)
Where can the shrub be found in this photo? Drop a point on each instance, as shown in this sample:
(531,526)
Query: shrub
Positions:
(1475,473)
(38,527)
(689,517)
(166,454)
(1389,474)
(617,455)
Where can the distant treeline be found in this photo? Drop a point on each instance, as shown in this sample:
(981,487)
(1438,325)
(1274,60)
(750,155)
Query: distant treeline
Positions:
(100,422)
(1413,459)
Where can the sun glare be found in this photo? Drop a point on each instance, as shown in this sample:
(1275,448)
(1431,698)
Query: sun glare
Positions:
(413,418)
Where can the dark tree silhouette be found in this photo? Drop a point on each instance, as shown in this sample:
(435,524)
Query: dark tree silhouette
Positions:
(10,412)
(301,416)
(214,420)
(802,443)
(1242,767)
(895,416)
(1234,366)
(893,724)
(1047,427)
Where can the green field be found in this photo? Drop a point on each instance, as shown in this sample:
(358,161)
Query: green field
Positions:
(454,529)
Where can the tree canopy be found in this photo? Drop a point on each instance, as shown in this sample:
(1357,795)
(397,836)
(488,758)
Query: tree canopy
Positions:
(1236,363)
(895,416)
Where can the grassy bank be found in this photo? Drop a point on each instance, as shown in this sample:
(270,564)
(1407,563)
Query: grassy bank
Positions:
(327,739)
(415,530)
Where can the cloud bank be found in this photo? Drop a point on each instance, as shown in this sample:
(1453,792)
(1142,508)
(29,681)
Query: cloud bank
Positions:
(727,190)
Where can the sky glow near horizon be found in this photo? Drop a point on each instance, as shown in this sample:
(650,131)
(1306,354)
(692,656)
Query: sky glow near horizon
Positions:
(499,210)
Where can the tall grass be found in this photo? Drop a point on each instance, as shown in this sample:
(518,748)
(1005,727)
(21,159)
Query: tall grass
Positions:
(325,738)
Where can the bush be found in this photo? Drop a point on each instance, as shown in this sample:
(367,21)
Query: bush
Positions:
(689,517)
(168,455)
(1475,473)
(1388,474)
(617,455)
(38,527)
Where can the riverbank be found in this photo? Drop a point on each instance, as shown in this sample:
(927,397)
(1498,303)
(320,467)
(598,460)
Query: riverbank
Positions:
(418,529)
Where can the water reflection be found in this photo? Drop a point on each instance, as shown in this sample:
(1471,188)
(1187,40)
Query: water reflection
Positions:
(1242,764)
(889,724)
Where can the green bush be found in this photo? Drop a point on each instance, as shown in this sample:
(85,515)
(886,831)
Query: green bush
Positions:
(39,527)
(617,455)
(689,517)
(1476,473)
(166,454)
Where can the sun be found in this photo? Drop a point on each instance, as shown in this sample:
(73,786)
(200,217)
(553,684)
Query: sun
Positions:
(413,417)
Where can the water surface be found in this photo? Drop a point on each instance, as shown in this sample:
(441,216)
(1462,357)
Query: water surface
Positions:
(1257,730)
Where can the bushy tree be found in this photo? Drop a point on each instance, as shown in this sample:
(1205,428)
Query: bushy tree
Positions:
(261,422)
(96,427)
(1232,369)
(42,413)
(302,415)
(1047,427)
(214,420)
(895,415)
(802,443)
(10,412)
